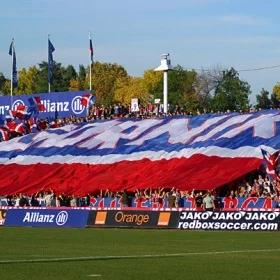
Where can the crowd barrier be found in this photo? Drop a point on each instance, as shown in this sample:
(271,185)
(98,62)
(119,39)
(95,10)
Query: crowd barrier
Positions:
(118,218)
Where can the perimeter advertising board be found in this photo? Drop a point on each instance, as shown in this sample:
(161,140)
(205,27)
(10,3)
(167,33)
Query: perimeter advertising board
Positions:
(47,217)
(135,219)
(57,104)
(239,220)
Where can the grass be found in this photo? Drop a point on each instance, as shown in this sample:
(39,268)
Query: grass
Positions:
(38,243)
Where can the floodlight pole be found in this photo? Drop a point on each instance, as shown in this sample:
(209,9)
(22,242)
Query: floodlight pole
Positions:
(165,66)
(165,92)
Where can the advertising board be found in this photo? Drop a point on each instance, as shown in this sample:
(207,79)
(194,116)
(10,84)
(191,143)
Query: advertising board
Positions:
(47,217)
(137,218)
(57,104)
(237,220)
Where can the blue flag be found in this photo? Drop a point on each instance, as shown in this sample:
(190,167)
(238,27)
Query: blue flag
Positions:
(91,50)
(51,49)
(12,52)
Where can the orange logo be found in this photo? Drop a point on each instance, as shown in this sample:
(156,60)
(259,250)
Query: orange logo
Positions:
(100,218)
(163,219)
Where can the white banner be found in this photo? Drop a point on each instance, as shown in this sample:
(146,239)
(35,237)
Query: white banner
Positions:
(134,105)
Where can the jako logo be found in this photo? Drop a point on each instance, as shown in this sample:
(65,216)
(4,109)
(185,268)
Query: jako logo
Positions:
(76,105)
(61,218)
(16,103)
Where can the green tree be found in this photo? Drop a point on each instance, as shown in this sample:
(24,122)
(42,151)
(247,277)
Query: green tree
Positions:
(27,80)
(153,82)
(231,93)
(263,100)
(69,73)
(181,89)
(59,84)
(104,79)
(2,82)
(276,91)
(275,103)
(6,89)
(128,88)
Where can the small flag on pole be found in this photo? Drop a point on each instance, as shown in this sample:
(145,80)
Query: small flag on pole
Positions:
(51,49)
(90,49)
(12,53)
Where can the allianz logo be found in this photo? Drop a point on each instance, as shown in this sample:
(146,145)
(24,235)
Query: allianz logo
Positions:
(36,217)
(54,106)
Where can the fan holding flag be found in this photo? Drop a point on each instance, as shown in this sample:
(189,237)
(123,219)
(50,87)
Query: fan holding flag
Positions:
(88,100)
(271,163)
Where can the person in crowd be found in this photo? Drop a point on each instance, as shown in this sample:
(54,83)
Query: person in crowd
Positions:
(23,201)
(208,202)
(34,202)
(124,199)
(199,200)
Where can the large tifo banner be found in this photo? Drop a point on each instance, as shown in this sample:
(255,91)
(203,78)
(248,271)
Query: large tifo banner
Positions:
(57,104)
(201,152)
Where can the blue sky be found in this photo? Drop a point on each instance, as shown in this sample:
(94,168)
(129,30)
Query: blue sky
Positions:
(197,33)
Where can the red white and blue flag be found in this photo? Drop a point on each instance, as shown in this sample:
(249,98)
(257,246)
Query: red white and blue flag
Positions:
(4,134)
(271,162)
(20,112)
(88,100)
(35,104)
(201,152)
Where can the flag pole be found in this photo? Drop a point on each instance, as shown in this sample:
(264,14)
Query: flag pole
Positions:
(90,66)
(49,84)
(12,73)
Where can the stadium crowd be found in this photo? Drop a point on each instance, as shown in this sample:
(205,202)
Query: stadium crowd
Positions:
(260,187)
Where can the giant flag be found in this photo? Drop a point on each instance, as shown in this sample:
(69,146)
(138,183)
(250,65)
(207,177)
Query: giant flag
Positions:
(202,152)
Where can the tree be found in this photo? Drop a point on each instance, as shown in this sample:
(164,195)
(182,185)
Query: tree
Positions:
(205,85)
(128,88)
(6,89)
(60,79)
(69,73)
(27,82)
(181,89)
(263,100)
(105,76)
(231,93)
(75,85)
(275,103)
(276,91)
(153,82)
(2,82)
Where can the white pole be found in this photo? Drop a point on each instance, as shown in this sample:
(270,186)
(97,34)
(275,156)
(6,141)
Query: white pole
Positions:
(90,65)
(12,74)
(165,92)
(90,83)
(49,84)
